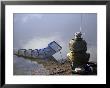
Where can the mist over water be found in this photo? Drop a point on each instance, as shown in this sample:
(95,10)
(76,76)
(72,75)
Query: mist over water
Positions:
(36,31)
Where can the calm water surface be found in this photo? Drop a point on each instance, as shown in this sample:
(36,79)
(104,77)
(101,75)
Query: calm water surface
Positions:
(23,66)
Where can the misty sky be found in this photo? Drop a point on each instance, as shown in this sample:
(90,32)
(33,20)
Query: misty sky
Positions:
(35,31)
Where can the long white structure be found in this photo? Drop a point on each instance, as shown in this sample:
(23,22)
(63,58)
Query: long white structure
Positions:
(28,53)
(35,53)
(50,50)
(15,51)
(21,52)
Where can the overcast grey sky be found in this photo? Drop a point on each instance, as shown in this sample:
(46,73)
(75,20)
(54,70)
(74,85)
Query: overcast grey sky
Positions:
(37,30)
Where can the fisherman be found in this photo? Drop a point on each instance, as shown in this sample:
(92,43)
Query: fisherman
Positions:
(77,55)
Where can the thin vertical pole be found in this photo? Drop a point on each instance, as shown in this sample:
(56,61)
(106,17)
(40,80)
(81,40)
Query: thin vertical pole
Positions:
(81,22)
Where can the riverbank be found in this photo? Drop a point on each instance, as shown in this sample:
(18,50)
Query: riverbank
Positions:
(53,66)
(49,66)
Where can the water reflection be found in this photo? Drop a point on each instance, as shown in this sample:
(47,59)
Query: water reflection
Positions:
(23,66)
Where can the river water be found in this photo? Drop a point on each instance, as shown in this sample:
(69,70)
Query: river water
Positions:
(22,66)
